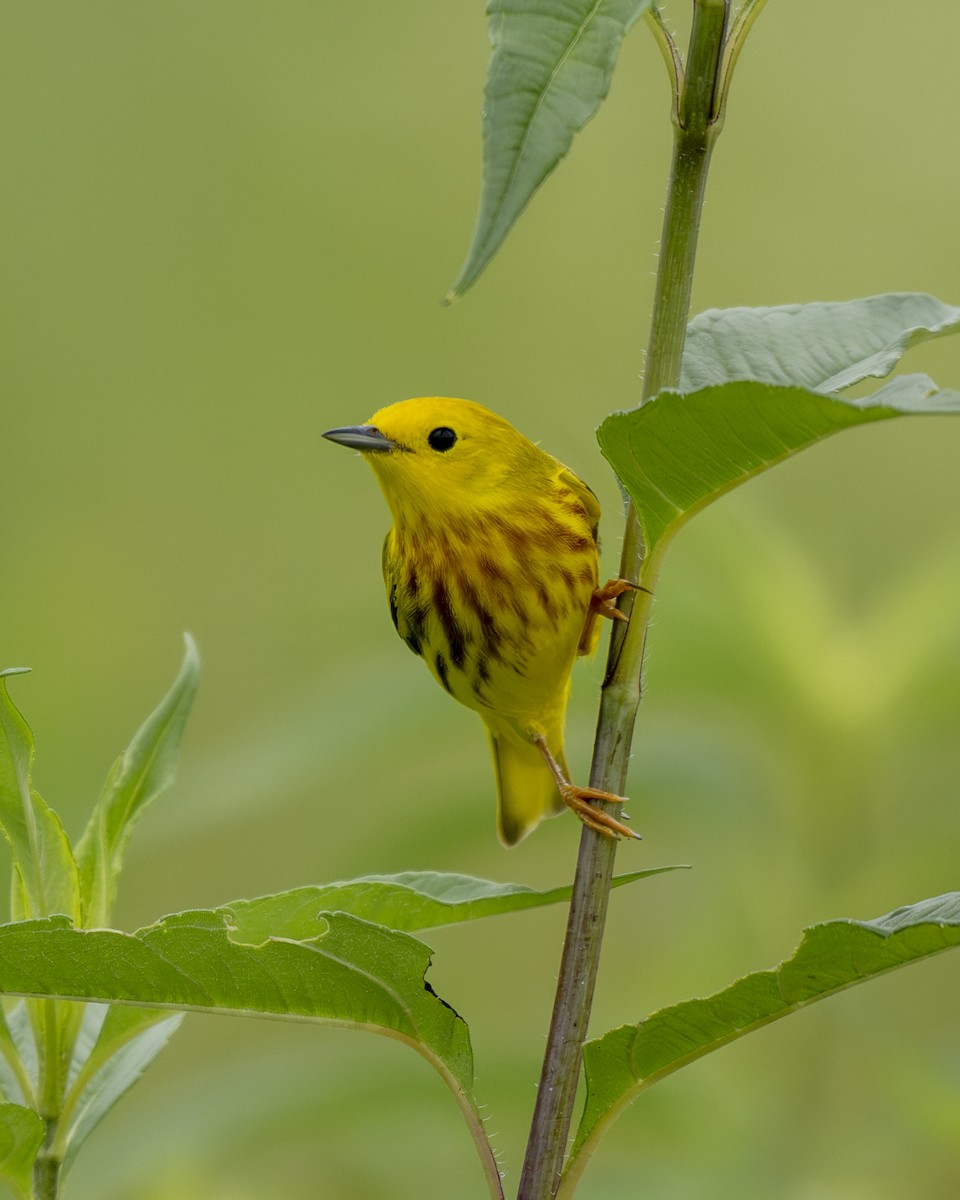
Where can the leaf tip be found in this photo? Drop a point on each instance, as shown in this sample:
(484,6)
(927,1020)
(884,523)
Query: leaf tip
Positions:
(464,281)
(191,654)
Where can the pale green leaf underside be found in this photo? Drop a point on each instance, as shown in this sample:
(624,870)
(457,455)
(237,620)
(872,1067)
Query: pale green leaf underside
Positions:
(108,1073)
(831,957)
(551,68)
(408,901)
(21,1132)
(823,346)
(349,973)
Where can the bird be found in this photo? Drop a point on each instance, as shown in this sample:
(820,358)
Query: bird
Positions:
(491,569)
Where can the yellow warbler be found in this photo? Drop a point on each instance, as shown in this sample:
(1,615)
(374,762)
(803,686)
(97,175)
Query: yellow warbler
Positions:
(491,571)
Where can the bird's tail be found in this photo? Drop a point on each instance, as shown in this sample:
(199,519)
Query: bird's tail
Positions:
(526,789)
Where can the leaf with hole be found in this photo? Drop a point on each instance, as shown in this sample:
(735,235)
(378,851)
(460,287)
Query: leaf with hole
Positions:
(351,973)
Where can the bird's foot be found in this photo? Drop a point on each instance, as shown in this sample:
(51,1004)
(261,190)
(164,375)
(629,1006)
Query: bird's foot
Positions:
(604,599)
(578,798)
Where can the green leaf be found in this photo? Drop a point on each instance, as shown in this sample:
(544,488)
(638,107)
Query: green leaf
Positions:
(551,69)
(758,385)
(45,874)
(140,774)
(678,453)
(21,1134)
(351,973)
(408,901)
(827,347)
(831,957)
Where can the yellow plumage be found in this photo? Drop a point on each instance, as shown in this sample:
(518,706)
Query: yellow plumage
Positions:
(491,572)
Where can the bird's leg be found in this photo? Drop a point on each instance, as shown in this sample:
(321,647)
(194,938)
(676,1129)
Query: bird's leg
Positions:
(578,798)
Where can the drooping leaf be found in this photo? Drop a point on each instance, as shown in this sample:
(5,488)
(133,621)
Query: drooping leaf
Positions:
(831,957)
(550,71)
(21,1134)
(678,453)
(44,871)
(824,346)
(138,776)
(408,901)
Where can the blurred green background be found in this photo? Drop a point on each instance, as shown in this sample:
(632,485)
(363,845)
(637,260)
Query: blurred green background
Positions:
(227,226)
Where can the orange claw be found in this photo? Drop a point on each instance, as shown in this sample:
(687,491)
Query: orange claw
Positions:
(578,798)
(603,600)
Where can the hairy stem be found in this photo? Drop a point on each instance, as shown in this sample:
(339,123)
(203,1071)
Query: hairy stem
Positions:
(696,128)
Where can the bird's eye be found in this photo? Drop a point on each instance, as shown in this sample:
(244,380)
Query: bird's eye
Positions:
(441,439)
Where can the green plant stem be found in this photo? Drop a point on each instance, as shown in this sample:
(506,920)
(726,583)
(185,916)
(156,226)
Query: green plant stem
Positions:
(47,1168)
(51,1074)
(46,1179)
(696,129)
(49,1160)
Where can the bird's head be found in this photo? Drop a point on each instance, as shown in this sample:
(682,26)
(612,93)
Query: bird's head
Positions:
(436,456)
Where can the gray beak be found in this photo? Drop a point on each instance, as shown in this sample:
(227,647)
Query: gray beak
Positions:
(361,437)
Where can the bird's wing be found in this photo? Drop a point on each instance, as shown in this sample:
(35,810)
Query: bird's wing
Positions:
(591,505)
(391,579)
